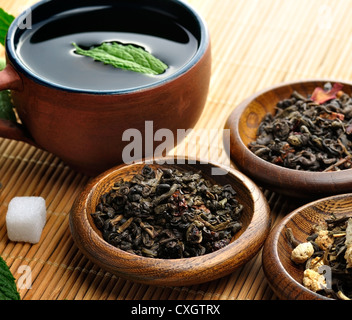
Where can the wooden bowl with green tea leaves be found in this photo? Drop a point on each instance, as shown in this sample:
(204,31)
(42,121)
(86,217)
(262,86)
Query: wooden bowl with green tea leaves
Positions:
(169,223)
(286,275)
(295,138)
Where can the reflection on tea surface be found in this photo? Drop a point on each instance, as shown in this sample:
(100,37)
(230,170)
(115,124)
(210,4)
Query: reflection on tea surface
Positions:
(47,48)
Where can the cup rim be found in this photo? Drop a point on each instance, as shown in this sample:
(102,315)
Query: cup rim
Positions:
(21,67)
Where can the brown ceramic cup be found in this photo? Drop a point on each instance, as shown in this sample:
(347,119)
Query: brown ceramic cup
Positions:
(85,127)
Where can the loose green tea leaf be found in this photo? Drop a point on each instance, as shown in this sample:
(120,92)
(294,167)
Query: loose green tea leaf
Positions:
(8,289)
(126,57)
(5,21)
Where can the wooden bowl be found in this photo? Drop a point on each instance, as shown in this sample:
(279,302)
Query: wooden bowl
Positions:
(173,272)
(243,123)
(284,276)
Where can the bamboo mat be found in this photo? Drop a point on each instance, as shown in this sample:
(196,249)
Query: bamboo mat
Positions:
(255,44)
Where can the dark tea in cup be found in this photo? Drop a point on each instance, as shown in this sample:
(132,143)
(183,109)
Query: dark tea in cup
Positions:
(47,50)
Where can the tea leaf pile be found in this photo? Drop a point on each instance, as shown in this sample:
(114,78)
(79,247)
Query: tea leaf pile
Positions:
(308,133)
(168,214)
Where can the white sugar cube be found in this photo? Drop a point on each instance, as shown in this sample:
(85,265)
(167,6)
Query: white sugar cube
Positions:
(25,219)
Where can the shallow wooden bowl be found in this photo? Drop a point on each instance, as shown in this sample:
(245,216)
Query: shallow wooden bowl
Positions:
(285,277)
(173,272)
(243,123)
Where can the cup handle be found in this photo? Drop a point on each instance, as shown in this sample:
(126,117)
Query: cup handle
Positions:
(15,131)
(10,80)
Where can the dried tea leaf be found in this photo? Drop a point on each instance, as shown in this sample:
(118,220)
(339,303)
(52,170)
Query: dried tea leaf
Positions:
(333,116)
(8,289)
(128,57)
(320,95)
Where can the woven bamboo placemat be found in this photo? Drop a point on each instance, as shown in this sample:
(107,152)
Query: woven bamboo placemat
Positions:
(255,43)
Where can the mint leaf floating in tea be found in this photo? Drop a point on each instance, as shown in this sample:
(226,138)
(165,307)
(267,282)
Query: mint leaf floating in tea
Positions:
(5,21)
(128,57)
(8,289)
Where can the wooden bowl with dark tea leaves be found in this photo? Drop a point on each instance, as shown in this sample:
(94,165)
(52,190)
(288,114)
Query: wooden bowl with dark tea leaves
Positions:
(285,276)
(288,166)
(152,252)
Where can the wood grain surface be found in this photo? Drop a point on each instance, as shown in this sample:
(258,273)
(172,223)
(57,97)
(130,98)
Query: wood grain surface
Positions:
(255,44)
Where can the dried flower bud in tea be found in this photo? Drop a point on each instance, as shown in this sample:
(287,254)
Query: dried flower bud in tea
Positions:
(331,242)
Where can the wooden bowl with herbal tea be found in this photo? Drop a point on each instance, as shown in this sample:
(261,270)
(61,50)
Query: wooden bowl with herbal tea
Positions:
(295,138)
(308,255)
(170,224)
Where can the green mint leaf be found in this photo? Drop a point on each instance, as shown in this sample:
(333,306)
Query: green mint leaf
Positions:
(126,57)
(8,289)
(6,108)
(5,21)
(2,63)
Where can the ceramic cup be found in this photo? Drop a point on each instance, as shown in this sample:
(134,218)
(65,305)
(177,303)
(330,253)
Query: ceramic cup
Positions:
(85,127)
